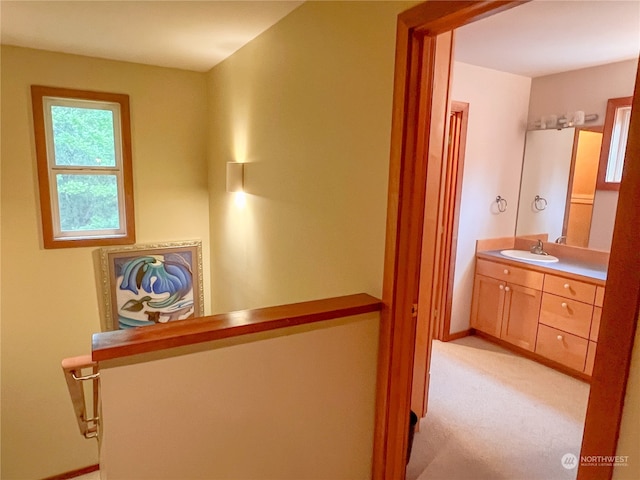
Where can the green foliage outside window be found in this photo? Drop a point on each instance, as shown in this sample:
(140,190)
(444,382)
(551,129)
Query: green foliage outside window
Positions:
(88,202)
(84,137)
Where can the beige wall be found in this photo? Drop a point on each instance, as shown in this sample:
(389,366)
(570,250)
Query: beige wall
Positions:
(50,306)
(492,165)
(308,106)
(630,427)
(297,404)
(587,89)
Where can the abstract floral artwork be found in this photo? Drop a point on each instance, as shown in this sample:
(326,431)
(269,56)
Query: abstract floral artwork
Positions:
(150,284)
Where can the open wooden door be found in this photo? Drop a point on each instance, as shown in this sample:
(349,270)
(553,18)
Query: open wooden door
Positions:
(437,266)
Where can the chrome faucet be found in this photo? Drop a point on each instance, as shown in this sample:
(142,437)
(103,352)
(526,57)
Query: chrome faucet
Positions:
(538,249)
(562,240)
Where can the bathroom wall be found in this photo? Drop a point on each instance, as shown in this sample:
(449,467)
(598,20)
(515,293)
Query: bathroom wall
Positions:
(587,89)
(498,104)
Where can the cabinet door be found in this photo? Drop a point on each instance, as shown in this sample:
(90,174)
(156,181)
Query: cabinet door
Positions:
(520,317)
(487,305)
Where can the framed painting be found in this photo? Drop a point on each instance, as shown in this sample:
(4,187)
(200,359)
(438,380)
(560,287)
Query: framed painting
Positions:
(150,284)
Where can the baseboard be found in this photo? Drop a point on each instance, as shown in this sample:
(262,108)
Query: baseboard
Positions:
(455,336)
(535,357)
(74,473)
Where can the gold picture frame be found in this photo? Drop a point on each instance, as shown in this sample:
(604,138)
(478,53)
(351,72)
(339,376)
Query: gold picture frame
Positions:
(153,283)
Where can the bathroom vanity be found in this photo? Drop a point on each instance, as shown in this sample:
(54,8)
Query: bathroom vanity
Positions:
(550,311)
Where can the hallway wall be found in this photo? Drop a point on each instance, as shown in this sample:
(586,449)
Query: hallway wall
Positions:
(307,106)
(50,297)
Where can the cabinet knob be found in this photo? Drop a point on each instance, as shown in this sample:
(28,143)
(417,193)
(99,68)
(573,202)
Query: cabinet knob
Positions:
(501,287)
(560,337)
(564,305)
(505,271)
(566,285)
(506,289)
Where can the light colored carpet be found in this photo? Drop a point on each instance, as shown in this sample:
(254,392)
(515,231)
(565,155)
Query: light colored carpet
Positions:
(495,415)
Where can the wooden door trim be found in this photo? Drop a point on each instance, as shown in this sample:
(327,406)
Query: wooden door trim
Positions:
(619,318)
(415,65)
(430,255)
(416,40)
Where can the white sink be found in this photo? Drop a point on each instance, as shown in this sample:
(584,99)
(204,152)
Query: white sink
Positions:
(526,255)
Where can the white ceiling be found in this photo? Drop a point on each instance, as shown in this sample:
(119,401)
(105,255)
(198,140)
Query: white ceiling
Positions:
(538,38)
(192,35)
(551,36)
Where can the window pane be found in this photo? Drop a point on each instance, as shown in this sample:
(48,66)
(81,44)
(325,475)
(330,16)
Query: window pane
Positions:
(88,202)
(83,136)
(618,146)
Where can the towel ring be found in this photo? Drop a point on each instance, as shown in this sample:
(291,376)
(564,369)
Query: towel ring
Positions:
(539,203)
(502,204)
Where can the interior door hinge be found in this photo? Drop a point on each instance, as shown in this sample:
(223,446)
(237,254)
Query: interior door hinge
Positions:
(414,310)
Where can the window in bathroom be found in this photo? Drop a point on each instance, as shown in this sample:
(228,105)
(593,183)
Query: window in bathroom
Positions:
(614,143)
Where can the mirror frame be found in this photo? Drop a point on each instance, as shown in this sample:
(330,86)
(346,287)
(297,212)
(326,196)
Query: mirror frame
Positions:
(613,104)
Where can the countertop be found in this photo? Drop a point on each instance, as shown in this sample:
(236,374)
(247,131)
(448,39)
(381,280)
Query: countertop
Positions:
(573,267)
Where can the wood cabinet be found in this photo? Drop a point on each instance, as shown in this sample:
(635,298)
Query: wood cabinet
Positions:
(520,318)
(487,314)
(506,307)
(553,316)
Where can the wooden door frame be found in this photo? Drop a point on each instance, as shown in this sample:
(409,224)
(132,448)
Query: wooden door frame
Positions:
(418,126)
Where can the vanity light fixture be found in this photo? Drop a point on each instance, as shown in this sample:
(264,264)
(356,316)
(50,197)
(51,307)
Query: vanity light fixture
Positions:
(235,177)
(567,120)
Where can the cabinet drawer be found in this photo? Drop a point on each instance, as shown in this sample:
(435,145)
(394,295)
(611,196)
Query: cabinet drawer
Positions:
(591,357)
(573,289)
(507,273)
(562,347)
(564,314)
(595,324)
(599,297)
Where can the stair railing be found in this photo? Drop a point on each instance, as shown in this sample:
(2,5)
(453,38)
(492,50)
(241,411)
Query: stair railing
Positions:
(73,373)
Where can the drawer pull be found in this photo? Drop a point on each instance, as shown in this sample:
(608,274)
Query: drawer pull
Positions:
(564,305)
(505,271)
(506,289)
(501,287)
(566,285)
(560,337)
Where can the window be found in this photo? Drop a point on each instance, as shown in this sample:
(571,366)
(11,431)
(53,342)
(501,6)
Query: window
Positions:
(614,143)
(83,150)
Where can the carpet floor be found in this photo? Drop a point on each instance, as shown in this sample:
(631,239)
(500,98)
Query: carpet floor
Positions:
(495,415)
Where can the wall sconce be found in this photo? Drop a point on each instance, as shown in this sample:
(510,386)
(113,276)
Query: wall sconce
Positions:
(235,177)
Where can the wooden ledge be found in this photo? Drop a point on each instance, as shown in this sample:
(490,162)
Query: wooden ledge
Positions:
(122,343)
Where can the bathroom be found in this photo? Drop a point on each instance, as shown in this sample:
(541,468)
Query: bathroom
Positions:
(503,174)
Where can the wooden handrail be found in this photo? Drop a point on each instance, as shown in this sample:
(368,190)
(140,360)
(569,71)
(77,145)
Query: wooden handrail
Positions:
(122,343)
(72,368)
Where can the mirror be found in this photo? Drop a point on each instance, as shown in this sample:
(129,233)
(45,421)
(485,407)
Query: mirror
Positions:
(563,171)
